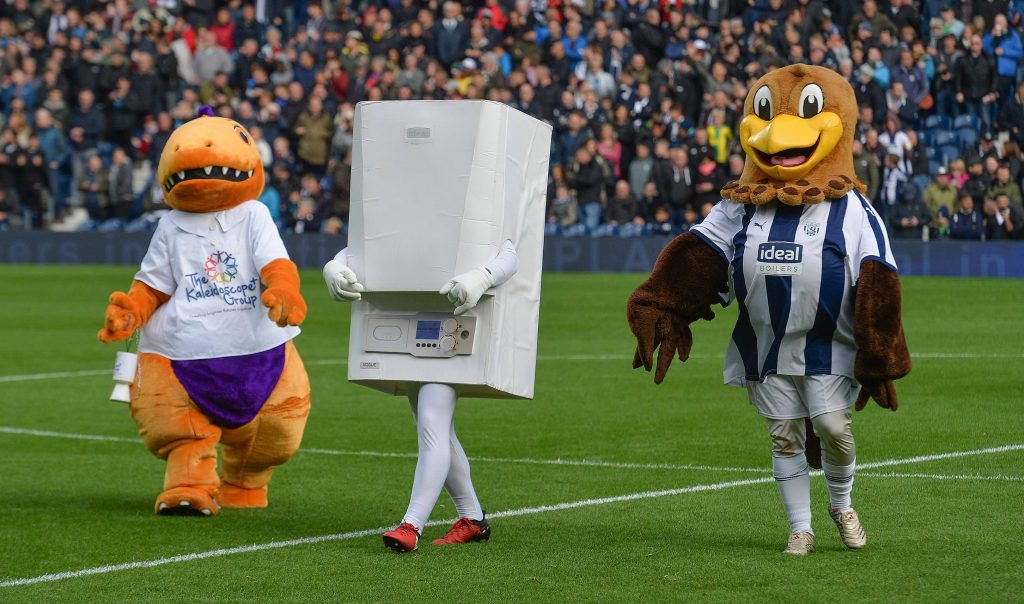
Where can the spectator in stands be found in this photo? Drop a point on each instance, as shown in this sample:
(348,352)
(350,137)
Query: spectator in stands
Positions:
(911,74)
(941,198)
(94,185)
(56,152)
(31,183)
(676,187)
(210,58)
(708,181)
(1003,185)
(967,222)
(977,182)
(86,126)
(958,173)
(1003,219)
(1004,43)
(586,178)
(562,210)
(640,169)
(307,206)
(865,166)
(9,218)
(975,81)
(122,198)
(869,93)
(945,58)
(314,129)
(910,215)
(624,211)
(1011,115)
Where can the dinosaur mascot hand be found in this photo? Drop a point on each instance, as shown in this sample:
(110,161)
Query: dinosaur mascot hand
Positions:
(128,312)
(122,318)
(282,297)
(883,391)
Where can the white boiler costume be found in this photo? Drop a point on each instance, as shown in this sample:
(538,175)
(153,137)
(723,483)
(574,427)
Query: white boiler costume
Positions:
(448,198)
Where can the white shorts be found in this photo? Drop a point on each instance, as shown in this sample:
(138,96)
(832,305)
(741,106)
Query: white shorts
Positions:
(796,396)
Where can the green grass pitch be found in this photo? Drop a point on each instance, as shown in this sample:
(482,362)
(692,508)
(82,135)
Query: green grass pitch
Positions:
(940,529)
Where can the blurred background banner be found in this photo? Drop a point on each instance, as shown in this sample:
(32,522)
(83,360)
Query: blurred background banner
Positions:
(561,254)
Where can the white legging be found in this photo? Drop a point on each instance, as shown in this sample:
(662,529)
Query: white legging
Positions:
(441,462)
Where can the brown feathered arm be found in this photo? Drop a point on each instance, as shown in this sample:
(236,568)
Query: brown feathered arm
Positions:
(684,284)
(882,354)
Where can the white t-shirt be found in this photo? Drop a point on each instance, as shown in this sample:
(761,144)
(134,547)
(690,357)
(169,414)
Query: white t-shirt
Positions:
(794,270)
(209,264)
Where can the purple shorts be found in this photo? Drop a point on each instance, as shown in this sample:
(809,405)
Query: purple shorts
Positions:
(231,390)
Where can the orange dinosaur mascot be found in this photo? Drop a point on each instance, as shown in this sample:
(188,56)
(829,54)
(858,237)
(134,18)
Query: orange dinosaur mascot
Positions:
(216,361)
(803,253)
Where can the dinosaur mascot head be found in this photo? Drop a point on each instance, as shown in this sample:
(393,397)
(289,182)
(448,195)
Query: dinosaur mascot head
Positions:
(210,164)
(797,132)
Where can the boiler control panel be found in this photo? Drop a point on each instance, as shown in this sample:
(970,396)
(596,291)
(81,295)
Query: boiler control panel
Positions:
(422,334)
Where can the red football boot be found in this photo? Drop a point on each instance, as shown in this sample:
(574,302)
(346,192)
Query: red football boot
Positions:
(402,539)
(466,530)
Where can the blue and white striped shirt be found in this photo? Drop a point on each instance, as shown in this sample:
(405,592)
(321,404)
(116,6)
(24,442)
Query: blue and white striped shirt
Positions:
(793,271)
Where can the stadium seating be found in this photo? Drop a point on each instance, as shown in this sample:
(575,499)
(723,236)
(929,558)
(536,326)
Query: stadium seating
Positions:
(967,120)
(938,121)
(948,153)
(942,138)
(967,137)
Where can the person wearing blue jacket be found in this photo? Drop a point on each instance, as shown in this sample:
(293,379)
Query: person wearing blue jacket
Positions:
(967,222)
(1004,44)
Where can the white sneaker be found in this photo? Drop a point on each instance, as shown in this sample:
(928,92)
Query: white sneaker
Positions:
(800,543)
(850,530)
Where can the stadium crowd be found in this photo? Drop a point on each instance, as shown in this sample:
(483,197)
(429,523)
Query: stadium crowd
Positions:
(644,97)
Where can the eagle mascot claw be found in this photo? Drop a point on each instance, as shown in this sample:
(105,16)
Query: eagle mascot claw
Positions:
(217,303)
(800,249)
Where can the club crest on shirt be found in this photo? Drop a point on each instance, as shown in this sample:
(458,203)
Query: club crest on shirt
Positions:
(812,228)
(780,258)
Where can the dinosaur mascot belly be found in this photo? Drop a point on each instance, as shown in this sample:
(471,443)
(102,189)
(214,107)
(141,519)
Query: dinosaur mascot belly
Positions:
(798,247)
(217,303)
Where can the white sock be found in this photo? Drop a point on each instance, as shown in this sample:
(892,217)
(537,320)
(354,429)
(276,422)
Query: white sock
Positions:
(434,409)
(460,485)
(839,480)
(795,488)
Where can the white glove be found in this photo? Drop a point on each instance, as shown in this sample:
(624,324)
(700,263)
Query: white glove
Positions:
(466,289)
(341,282)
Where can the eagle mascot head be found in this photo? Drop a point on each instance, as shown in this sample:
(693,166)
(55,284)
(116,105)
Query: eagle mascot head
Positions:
(797,132)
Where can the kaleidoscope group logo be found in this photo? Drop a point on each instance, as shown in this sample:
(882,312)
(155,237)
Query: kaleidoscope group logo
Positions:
(221,267)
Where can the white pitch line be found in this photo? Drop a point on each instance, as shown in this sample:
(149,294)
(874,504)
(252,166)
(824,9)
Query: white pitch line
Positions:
(54,375)
(260,547)
(68,435)
(964,477)
(542,358)
(937,456)
(387,454)
(626,465)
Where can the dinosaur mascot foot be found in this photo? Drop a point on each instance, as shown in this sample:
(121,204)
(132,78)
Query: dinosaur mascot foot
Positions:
(232,496)
(186,501)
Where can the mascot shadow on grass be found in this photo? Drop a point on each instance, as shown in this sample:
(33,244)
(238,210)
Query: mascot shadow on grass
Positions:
(217,304)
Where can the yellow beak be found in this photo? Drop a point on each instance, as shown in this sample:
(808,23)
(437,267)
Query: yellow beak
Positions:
(775,146)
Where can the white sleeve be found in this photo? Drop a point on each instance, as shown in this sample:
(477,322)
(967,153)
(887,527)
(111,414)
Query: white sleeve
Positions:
(342,256)
(720,227)
(267,245)
(504,265)
(156,270)
(873,243)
